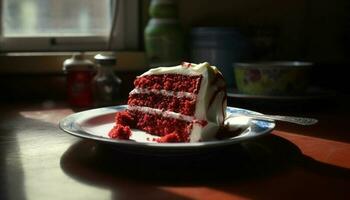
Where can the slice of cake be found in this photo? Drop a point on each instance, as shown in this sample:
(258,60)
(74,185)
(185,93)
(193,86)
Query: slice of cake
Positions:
(185,103)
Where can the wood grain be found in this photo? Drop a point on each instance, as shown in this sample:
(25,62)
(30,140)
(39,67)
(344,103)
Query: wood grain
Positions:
(39,161)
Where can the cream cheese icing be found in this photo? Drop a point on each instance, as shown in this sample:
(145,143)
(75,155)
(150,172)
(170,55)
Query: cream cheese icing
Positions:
(163,92)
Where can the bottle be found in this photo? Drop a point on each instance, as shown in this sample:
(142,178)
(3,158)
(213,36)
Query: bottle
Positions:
(80,72)
(164,37)
(106,85)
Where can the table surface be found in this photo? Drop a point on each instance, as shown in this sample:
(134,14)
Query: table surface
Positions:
(39,161)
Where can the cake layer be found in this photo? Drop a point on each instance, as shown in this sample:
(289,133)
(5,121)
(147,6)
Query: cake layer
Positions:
(184,105)
(173,82)
(159,125)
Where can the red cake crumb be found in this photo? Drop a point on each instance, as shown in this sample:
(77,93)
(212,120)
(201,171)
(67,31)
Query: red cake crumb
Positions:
(124,118)
(171,138)
(120,132)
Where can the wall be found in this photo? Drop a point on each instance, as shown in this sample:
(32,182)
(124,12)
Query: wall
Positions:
(307,29)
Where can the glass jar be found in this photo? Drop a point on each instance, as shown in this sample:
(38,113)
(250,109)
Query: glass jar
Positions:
(79,72)
(164,42)
(106,85)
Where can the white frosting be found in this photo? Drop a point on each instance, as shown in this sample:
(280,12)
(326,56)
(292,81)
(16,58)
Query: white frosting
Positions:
(211,98)
(164,113)
(192,70)
(163,92)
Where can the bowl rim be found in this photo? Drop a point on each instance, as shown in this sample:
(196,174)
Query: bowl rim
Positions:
(273,64)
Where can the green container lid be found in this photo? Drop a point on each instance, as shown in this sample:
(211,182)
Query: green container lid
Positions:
(163,9)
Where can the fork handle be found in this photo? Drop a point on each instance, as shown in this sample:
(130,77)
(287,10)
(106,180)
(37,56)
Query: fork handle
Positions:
(291,119)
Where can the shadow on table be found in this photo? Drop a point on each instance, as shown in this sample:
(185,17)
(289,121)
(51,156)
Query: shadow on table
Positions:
(265,168)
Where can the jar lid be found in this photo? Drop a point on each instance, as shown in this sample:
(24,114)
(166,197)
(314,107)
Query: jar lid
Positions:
(78,62)
(163,9)
(106,58)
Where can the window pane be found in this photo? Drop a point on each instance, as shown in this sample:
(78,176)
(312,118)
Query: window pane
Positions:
(35,18)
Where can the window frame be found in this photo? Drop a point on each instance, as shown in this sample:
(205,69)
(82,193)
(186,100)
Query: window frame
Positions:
(124,35)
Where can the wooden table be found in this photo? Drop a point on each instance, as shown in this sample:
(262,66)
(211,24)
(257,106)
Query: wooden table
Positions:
(39,161)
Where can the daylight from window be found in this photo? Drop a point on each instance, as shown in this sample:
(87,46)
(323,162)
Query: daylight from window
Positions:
(33,18)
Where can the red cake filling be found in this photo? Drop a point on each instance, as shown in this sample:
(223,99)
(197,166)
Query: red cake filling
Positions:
(161,126)
(151,123)
(185,106)
(125,118)
(171,82)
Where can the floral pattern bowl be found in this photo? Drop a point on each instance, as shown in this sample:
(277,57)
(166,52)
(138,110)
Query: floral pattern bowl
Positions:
(272,78)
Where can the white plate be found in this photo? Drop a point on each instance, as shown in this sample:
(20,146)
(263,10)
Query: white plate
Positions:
(96,123)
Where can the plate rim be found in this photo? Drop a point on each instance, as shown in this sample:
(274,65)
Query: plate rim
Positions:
(70,119)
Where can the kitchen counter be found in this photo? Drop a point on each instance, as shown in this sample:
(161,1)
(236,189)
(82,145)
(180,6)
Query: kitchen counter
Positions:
(39,161)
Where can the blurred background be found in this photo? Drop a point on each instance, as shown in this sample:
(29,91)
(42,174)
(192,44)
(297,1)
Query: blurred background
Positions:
(37,36)
(303,30)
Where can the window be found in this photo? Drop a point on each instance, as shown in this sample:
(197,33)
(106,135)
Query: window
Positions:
(64,25)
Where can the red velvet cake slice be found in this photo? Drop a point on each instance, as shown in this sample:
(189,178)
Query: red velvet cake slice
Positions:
(185,103)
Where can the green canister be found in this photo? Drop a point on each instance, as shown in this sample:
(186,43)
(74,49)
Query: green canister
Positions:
(164,37)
